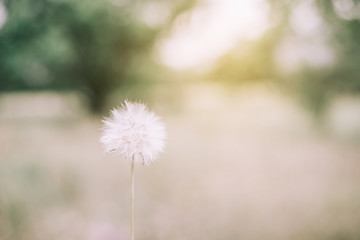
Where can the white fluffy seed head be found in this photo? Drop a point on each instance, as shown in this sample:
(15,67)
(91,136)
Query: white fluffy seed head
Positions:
(134,132)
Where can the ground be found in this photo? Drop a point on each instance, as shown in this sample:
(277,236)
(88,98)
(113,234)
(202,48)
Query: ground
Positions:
(244,164)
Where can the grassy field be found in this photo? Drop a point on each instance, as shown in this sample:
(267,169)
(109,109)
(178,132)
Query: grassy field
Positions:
(241,165)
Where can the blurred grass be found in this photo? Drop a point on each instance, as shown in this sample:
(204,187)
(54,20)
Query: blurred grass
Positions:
(245,164)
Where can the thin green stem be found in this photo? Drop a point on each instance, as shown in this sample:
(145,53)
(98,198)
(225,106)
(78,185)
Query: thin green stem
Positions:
(132,197)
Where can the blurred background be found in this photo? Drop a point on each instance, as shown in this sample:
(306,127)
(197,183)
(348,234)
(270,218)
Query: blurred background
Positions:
(261,99)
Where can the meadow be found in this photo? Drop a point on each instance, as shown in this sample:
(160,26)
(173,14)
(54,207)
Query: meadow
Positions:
(245,164)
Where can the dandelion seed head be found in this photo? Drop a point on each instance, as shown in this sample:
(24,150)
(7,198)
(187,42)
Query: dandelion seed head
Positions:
(134,132)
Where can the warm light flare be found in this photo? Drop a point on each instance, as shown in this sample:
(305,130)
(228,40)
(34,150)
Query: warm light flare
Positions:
(211,30)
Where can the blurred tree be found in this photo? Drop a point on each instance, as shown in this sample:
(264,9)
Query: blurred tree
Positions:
(250,62)
(317,85)
(343,18)
(90,46)
(313,84)
(254,60)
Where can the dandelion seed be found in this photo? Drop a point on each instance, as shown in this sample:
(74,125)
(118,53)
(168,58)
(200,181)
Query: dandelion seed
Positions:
(135,133)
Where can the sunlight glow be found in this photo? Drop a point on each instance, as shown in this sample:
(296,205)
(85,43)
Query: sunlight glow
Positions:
(212,29)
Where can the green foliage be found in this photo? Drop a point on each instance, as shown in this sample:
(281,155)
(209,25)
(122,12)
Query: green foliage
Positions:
(91,46)
(318,85)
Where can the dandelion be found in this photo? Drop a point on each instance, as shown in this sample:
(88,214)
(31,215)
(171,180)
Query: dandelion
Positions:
(135,133)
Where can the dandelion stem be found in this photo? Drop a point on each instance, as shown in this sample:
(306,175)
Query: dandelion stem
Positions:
(132,198)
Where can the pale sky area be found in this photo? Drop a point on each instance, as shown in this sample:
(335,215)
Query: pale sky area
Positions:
(2,14)
(308,45)
(212,29)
